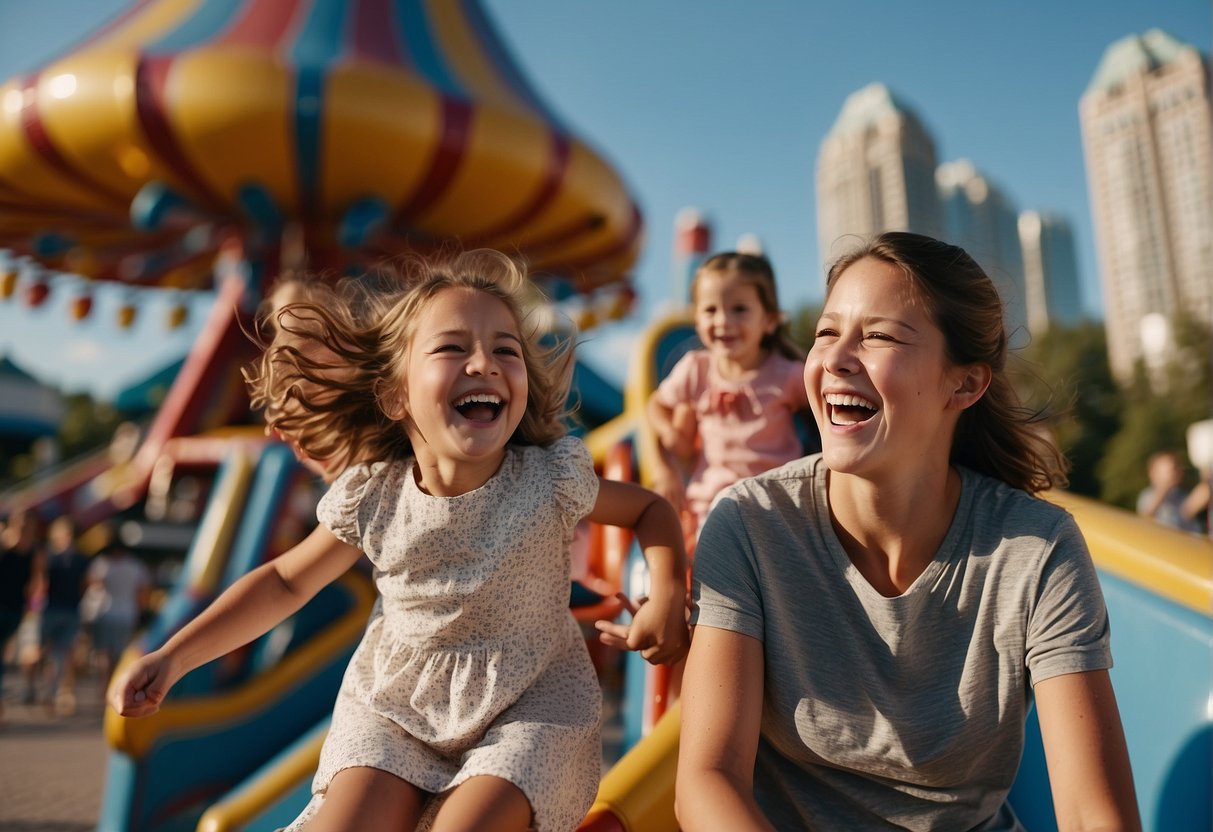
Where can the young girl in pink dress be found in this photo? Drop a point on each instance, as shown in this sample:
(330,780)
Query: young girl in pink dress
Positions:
(727,411)
(471,702)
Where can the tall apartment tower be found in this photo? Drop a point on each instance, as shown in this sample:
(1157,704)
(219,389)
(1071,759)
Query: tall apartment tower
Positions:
(1147,127)
(875,172)
(1050,271)
(981,219)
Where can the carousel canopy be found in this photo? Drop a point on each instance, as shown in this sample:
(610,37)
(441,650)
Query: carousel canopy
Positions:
(367,127)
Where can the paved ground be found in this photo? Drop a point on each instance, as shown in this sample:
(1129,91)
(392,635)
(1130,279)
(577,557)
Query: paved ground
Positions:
(52,768)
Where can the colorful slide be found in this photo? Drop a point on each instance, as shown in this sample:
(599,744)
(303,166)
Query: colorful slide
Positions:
(207,394)
(225,719)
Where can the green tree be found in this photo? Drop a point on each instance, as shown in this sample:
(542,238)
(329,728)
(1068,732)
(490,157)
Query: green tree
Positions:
(87,424)
(1065,375)
(802,324)
(1158,409)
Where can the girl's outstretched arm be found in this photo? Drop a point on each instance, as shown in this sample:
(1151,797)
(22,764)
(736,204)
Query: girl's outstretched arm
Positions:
(658,629)
(1085,749)
(249,607)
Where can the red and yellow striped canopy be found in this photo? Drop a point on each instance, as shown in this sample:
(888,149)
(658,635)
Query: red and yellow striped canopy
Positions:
(373,126)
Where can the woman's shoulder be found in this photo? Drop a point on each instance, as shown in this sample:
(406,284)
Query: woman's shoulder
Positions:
(995,504)
(791,478)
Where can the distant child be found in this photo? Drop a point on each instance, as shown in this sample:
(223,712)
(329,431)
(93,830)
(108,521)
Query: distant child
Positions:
(727,411)
(1165,499)
(474,684)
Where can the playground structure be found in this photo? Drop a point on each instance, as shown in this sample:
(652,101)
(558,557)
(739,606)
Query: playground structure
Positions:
(349,131)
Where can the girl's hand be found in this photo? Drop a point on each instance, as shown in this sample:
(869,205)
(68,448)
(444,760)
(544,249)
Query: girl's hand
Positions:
(141,686)
(684,432)
(658,630)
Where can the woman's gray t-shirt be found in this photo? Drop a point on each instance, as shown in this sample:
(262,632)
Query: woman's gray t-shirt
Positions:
(907,712)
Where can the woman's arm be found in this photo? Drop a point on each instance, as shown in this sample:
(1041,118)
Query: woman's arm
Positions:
(658,630)
(251,606)
(721,716)
(1085,750)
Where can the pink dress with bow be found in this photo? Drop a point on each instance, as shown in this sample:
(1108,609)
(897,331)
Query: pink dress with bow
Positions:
(746,426)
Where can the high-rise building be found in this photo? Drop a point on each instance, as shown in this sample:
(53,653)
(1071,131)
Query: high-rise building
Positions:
(981,219)
(1147,126)
(1050,271)
(875,172)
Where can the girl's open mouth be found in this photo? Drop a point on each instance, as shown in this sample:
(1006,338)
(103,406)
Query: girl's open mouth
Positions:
(479,407)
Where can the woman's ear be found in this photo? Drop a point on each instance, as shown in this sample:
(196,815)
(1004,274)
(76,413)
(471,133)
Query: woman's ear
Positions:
(973,382)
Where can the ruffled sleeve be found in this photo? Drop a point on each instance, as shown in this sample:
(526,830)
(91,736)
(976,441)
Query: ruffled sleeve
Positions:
(339,507)
(574,480)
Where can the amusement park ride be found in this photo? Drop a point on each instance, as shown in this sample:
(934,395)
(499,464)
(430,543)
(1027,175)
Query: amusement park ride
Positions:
(217,144)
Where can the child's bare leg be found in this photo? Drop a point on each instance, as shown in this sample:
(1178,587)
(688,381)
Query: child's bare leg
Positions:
(484,804)
(367,798)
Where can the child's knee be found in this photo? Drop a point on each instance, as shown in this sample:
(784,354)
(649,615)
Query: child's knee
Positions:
(368,798)
(485,802)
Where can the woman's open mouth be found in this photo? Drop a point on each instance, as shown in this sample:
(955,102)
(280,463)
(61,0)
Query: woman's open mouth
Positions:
(848,409)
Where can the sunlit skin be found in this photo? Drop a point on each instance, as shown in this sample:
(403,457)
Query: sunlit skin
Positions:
(887,399)
(731,322)
(878,377)
(465,390)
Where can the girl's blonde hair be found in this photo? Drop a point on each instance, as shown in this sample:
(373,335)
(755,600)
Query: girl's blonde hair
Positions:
(758,272)
(997,435)
(331,370)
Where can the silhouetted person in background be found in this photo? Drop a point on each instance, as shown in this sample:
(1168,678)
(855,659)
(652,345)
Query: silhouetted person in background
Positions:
(20,553)
(64,577)
(1165,499)
(119,584)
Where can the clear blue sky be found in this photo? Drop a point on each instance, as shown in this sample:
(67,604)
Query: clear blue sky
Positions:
(723,105)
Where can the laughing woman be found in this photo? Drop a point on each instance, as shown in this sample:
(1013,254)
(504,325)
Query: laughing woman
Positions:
(872,623)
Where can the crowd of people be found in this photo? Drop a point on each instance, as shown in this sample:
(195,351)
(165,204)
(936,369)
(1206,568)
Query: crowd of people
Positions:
(874,604)
(83,610)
